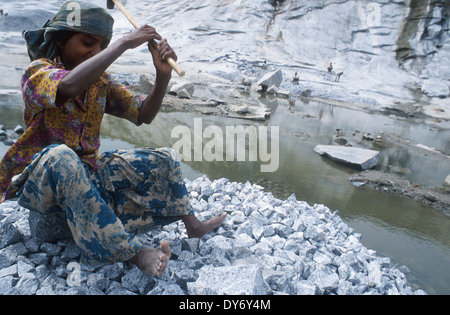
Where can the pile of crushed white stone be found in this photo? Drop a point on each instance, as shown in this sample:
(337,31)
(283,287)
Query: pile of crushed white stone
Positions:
(265,246)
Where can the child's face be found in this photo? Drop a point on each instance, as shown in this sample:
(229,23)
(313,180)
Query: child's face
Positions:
(80,47)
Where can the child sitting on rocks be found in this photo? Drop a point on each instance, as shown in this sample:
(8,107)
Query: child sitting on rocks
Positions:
(54,165)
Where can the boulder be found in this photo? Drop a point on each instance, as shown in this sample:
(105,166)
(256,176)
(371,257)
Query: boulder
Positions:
(271,79)
(8,234)
(19,129)
(229,280)
(355,157)
(184,94)
(145,84)
(186,89)
(48,228)
(324,278)
(435,88)
(374,274)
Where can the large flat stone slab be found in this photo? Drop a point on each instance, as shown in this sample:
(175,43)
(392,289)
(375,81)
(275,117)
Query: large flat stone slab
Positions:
(362,159)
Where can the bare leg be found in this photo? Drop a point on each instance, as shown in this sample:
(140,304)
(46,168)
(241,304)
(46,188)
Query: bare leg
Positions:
(197,229)
(152,261)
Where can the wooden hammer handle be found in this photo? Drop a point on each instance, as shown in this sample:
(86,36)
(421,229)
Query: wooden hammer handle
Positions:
(133,21)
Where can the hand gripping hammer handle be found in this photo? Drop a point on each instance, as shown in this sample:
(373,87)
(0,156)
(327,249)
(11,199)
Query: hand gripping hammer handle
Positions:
(155,45)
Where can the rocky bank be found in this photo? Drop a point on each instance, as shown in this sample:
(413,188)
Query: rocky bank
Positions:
(265,246)
(436,197)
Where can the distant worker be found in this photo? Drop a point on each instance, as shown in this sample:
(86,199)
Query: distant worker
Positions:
(296,79)
(330,67)
(264,66)
(338,76)
(1,11)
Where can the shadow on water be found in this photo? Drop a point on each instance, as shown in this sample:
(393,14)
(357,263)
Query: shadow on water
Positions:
(397,227)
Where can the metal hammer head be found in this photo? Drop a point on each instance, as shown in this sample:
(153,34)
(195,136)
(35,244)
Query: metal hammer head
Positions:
(110,4)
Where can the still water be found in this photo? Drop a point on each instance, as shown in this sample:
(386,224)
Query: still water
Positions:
(397,227)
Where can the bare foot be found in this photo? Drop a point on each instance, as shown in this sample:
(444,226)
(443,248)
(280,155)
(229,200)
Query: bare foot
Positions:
(197,229)
(152,261)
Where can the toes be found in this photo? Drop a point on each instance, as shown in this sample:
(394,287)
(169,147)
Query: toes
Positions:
(163,258)
(157,273)
(165,248)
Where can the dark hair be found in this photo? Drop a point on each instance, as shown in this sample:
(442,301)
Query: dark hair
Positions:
(61,38)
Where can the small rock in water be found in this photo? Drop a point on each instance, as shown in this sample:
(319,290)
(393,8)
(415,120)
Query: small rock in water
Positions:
(19,129)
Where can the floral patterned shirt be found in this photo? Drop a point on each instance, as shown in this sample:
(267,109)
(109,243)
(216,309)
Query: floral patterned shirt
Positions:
(75,123)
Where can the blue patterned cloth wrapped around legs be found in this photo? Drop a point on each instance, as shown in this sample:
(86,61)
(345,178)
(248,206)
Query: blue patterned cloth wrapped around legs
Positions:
(135,191)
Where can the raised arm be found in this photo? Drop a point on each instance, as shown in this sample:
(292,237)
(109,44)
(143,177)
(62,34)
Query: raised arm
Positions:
(153,102)
(92,60)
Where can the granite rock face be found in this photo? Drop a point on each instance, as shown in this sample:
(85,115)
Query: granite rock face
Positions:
(265,246)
